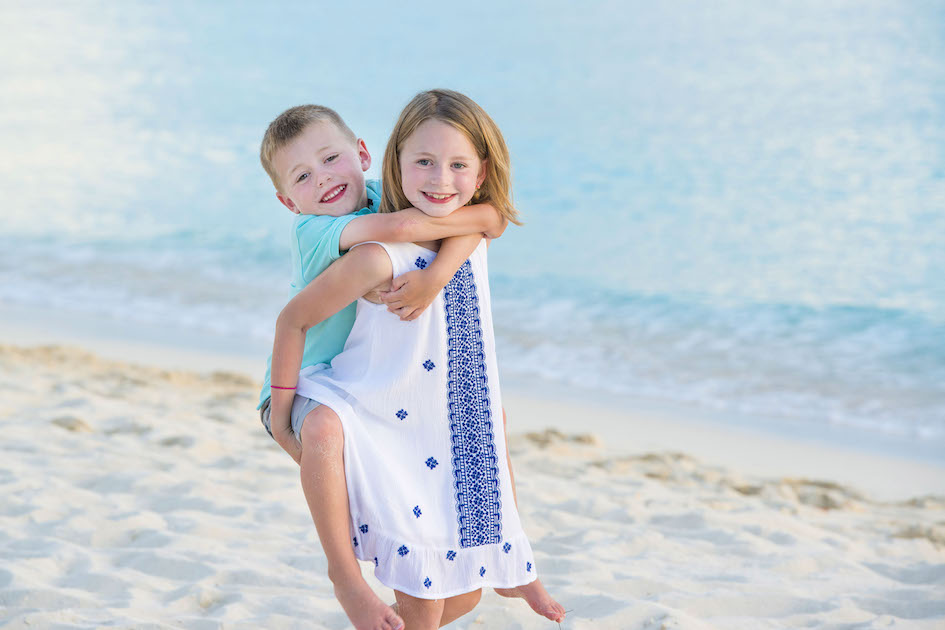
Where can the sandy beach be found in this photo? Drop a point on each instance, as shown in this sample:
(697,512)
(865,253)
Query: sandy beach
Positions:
(146,497)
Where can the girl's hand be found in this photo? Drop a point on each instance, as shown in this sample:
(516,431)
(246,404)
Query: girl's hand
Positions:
(410,294)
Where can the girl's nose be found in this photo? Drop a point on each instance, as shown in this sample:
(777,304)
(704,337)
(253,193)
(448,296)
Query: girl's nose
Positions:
(438,176)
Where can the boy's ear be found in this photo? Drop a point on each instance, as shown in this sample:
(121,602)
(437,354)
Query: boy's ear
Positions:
(288,203)
(364,156)
(483,167)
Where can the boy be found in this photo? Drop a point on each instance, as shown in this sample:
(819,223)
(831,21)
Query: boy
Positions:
(317,165)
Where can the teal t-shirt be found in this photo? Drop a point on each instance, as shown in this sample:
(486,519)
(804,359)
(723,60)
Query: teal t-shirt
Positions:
(314,244)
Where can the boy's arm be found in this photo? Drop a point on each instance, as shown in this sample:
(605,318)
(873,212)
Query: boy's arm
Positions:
(413,225)
(412,292)
(343,282)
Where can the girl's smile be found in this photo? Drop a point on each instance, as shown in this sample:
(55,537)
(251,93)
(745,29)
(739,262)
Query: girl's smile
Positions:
(438,198)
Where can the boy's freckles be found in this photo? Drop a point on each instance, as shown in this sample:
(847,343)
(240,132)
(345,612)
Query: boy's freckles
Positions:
(322,172)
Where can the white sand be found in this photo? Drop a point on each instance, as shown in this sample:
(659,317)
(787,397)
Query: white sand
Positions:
(146,498)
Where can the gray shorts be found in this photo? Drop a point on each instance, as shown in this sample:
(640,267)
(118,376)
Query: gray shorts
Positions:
(301,407)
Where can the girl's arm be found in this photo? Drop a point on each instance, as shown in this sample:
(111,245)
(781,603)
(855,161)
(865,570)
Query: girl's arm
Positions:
(347,279)
(412,225)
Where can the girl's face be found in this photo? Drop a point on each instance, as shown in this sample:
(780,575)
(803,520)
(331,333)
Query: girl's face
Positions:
(439,168)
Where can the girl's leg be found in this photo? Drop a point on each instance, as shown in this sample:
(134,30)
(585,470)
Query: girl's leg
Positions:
(534,592)
(323,482)
(508,458)
(419,614)
(458,605)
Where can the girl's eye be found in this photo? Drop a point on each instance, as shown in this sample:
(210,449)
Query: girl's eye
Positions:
(458,165)
(423,162)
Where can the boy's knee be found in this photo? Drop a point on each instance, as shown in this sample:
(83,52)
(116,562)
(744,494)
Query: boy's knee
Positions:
(321,427)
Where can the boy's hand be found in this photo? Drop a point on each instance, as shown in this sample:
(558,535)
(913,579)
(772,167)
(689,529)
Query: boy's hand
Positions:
(410,294)
(286,439)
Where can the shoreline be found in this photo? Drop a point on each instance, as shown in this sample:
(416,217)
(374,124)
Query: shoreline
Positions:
(621,425)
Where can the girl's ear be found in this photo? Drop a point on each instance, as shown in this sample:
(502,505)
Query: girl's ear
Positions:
(483,167)
(288,203)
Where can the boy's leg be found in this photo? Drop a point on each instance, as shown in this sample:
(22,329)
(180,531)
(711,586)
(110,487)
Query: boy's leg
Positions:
(534,592)
(326,492)
(419,614)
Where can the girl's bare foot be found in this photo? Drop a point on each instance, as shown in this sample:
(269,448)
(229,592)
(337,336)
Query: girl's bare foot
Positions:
(537,597)
(365,609)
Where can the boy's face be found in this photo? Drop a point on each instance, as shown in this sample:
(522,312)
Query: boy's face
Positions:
(322,172)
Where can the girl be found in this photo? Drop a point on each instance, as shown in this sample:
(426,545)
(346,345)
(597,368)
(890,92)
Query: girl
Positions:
(430,491)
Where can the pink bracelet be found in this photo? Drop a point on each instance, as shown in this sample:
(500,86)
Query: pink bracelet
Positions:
(277,387)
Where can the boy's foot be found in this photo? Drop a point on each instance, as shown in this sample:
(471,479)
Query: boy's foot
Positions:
(537,597)
(365,609)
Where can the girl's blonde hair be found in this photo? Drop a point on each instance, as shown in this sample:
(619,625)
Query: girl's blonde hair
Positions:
(464,114)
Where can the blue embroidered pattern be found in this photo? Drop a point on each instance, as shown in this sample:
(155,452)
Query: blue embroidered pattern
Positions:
(482,571)
(403,551)
(375,561)
(401,414)
(420,262)
(506,547)
(364,529)
(355,541)
(432,463)
(528,567)
(427,582)
(475,474)
(416,511)
(450,555)
(429,365)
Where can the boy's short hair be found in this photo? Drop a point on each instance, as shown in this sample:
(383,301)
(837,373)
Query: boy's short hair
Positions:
(289,125)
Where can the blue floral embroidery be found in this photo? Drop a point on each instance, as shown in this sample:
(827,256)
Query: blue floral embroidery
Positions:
(403,551)
(432,463)
(416,511)
(450,555)
(475,473)
(482,571)
(427,583)
(420,262)
(401,414)
(528,567)
(429,365)
(506,547)
(364,529)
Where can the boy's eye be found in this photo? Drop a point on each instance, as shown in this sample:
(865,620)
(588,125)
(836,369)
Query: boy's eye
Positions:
(301,177)
(331,158)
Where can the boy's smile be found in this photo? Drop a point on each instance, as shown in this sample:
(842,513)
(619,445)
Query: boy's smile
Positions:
(322,172)
(334,194)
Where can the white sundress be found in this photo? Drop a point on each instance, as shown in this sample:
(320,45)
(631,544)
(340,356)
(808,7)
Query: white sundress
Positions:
(428,481)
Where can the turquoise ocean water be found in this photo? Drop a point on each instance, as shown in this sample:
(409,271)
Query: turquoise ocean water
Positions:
(736,206)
